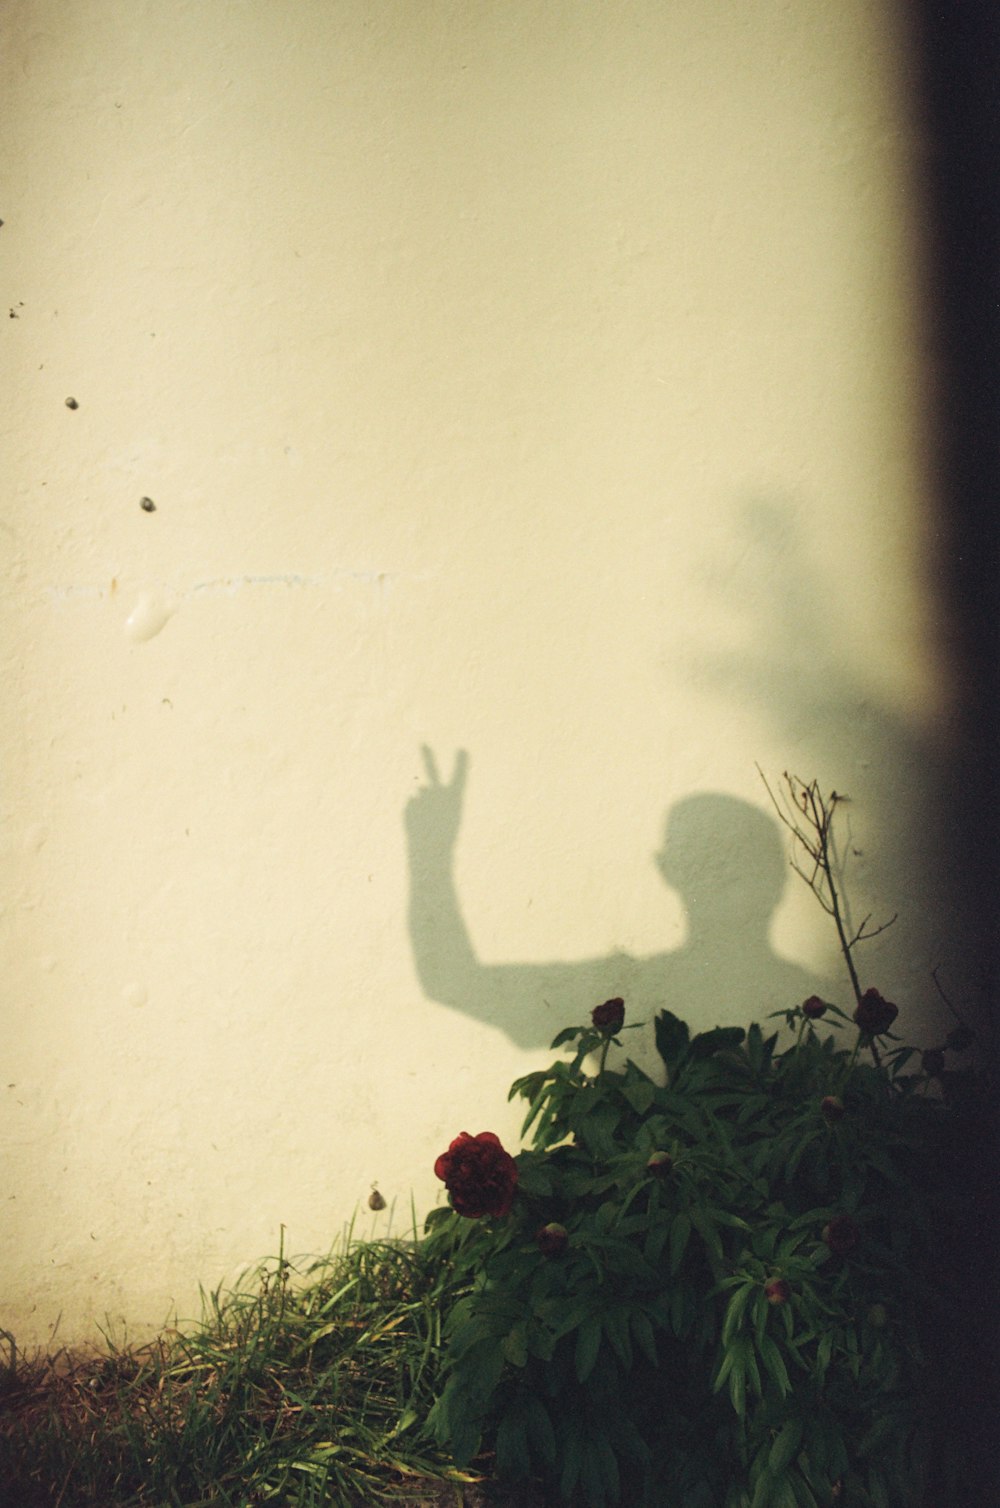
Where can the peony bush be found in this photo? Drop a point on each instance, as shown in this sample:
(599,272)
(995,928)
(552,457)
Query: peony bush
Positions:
(738,1288)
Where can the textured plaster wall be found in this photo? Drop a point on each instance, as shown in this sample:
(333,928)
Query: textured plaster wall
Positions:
(540,379)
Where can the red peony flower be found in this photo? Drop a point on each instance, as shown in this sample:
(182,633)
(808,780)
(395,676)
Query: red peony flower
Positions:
(778,1291)
(813,1008)
(608,1017)
(841,1235)
(875,1015)
(478,1174)
(551,1239)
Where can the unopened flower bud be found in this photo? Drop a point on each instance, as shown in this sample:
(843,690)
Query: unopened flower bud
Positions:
(659,1164)
(832,1107)
(551,1239)
(874,1015)
(932,1062)
(813,1008)
(841,1235)
(608,1018)
(778,1291)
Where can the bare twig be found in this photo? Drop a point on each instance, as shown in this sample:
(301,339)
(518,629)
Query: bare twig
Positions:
(808,816)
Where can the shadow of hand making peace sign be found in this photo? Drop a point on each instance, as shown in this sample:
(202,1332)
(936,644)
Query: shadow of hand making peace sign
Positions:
(434,814)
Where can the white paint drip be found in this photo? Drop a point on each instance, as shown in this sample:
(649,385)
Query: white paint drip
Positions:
(151,613)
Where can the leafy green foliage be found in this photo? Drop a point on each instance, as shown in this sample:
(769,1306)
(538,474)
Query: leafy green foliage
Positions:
(744,1310)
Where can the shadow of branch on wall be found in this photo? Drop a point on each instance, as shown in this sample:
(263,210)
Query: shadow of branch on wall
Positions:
(900,770)
(724,858)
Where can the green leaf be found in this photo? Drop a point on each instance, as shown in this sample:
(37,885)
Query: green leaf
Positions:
(671,1036)
(616,1329)
(515,1346)
(528,1086)
(540,1432)
(703,1224)
(877,1491)
(588,1343)
(738,1387)
(656,1239)
(608,1463)
(720,1038)
(753,1372)
(640,1096)
(774,1365)
(784,1494)
(734,1311)
(512,1443)
(726,1217)
(591,1476)
(605,1216)
(729,1360)
(572,1458)
(681,1314)
(642,1329)
(785,1446)
(533,1177)
(680,1231)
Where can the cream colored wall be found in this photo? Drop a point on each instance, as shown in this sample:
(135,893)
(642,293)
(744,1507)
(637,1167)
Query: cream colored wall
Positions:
(538,378)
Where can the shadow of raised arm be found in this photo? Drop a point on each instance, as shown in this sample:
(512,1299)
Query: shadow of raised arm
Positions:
(528,1002)
(720,855)
(446,963)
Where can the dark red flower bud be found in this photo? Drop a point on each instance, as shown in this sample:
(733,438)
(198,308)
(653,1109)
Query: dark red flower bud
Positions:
(479,1175)
(813,1008)
(777,1290)
(874,1015)
(932,1062)
(832,1107)
(551,1239)
(608,1017)
(959,1039)
(841,1235)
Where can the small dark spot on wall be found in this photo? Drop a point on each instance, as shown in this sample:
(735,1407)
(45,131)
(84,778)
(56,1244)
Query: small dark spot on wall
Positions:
(72,403)
(147,505)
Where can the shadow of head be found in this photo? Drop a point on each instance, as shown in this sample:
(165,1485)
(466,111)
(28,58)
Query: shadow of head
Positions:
(725,859)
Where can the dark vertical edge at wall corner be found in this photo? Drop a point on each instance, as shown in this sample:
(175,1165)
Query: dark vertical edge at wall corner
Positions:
(958,53)
(958,103)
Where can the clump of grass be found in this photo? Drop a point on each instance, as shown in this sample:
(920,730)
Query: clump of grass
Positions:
(299,1388)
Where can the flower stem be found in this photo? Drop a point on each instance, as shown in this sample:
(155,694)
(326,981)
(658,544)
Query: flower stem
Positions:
(604,1058)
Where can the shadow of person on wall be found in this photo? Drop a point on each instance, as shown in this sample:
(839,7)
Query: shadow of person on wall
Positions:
(724,857)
